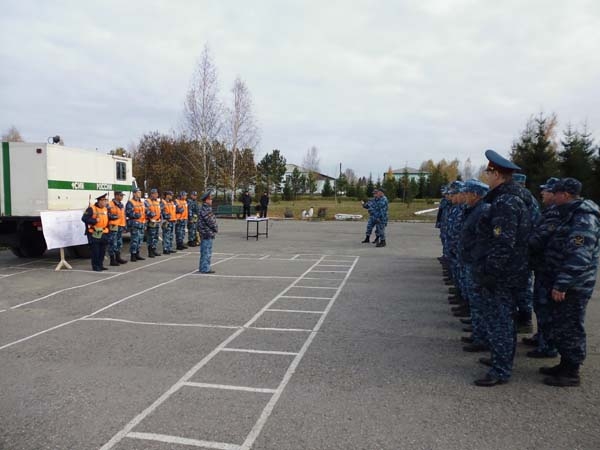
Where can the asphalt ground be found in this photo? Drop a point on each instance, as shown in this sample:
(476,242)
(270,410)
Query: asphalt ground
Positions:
(305,340)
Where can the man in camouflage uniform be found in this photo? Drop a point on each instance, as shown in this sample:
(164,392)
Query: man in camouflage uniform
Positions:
(369,205)
(453,233)
(572,256)
(503,272)
(525,297)
(471,252)
(192,223)
(153,206)
(116,225)
(136,223)
(541,300)
(381,216)
(168,216)
(207,225)
(181,211)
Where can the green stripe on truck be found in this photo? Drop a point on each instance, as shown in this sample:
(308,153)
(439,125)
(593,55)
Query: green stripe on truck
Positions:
(6,177)
(87,186)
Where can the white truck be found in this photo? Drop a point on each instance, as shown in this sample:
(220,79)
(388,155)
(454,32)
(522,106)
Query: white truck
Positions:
(38,177)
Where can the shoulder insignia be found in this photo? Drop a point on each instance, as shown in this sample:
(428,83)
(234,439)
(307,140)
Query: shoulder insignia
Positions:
(497,230)
(578,240)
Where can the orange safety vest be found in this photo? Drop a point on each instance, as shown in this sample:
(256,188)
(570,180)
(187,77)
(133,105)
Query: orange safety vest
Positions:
(170,208)
(114,209)
(182,204)
(138,208)
(154,206)
(101,216)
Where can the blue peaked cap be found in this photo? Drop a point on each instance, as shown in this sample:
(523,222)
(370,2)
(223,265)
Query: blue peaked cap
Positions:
(455,187)
(500,162)
(549,184)
(476,187)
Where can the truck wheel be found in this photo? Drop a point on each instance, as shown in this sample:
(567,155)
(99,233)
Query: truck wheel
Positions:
(33,246)
(17,252)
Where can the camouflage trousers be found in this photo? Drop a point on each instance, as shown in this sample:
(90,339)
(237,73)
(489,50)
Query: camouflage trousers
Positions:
(500,306)
(137,237)
(168,229)
(152,236)
(567,327)
(542,307)
(370,226)
(115,241)
(193,231)
(525,301)
(180,232)
(380,230)
(477,305)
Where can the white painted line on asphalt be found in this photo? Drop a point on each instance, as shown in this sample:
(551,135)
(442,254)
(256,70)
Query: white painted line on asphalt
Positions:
(265,257)
(19,273)
(91,283)
(333,265)
(265,352)
(10,344)
(304,330)
(229,387)
(162,324)
(98,311)
(50,269)
(299,296)
(315,287)
(295,256)
(329,271)
(254,433)
(51,263)
(190,373)
(296,311)
(2,310)
(217,275)
(183,441)
(326,279)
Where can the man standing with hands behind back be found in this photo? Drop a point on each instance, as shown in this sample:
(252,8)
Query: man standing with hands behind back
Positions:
(207,225)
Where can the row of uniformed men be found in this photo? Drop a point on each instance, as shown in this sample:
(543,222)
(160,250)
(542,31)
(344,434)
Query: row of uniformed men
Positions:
(494,238)
(107,220)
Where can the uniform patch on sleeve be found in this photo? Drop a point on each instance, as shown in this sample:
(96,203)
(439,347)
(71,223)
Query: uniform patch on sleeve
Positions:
(578,240)
(497,230)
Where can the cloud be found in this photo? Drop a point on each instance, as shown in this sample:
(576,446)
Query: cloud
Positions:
(371,84)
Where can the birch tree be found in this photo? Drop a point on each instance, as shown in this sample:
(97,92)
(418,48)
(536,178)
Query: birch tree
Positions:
(203,115)
(241,131)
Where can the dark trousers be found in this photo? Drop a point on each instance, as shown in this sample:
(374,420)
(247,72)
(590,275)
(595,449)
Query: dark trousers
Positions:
(98,248)
(263,211)
(246,209)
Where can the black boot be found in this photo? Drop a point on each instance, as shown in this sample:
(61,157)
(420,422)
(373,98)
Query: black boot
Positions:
(567,376)
(138,257)
(119,259)
(154,252)
(150,252)
(381,243)
(366,241)
(113,260)
(133,257)
(376,241)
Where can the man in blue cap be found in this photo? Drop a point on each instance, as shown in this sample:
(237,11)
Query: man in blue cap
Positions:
(503,271)
(192,224)
(181,212)
(153,208)
(572,256)
(541,300)
(454,223)
(381,216)
(169,218)
(470,254)
(369,205)
(135,211)
(96,219)
(207,225)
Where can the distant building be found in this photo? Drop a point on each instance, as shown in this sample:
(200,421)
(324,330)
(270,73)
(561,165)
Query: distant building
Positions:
(289,168)
(413,174)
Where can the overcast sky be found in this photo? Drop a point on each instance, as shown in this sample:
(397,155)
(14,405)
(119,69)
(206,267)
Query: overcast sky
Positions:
(371,84)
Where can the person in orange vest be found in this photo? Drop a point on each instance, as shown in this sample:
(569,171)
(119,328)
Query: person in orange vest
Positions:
(168,226)
(153,207)
(136,222)
(181,212)
(96,219)
(116,225)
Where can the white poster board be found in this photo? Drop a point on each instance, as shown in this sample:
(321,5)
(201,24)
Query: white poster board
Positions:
(63,228)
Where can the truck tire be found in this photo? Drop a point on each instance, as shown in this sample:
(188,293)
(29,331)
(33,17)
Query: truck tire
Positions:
(17,252)
(81,251)
(33,245)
